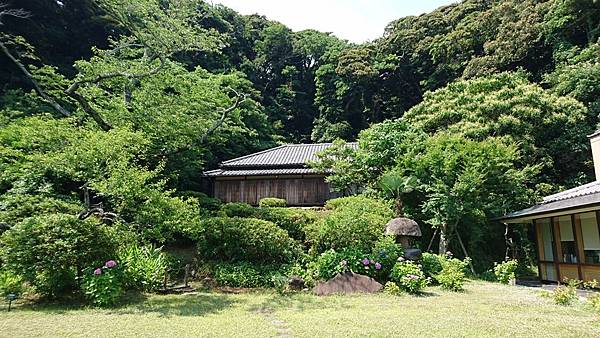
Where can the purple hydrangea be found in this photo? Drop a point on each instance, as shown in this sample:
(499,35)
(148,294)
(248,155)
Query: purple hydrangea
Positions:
(98,272)
(377,266)
(365,261)
(111,264)
(414,277)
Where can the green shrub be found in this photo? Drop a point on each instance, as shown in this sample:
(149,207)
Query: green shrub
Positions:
(248,275)
(386,252)
(409,277)
(293,220)
(270,202)
(431,264)
(239,210)
(245,239)
(594,302)
(103,286)
(204,201)
(50,251)
(452,274)
(356,222)
(10,283)
(564,295)
(392,288)
(332,262)
(143,267)
(505,271)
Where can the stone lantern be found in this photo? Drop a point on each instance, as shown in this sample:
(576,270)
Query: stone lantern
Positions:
(406,231)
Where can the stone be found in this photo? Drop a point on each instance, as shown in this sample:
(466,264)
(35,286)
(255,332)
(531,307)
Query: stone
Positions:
(347,282)
(296,283)
(412,254)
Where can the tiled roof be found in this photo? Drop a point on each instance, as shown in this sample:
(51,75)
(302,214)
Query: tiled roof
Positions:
(582,196)
(288,159)
(288,155)
(582,190)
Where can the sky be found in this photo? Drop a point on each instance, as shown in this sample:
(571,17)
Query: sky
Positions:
(354,20)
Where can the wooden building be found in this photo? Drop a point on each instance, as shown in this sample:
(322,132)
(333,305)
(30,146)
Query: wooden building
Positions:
(281,172)
(567,229)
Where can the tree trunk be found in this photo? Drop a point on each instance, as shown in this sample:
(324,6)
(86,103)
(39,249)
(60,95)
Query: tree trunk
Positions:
(444,240)
(399,206)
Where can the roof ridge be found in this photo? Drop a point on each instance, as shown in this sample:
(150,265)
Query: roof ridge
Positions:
(254,154)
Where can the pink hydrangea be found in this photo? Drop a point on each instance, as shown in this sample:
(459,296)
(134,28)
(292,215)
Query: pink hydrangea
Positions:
(365,261)
(110,264)
(377,266)
(98,272)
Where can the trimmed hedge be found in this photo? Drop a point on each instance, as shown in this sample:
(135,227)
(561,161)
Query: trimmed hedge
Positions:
(293,220)
(248,275)
(354,222)
(238,210)
(244,239)
(269,202)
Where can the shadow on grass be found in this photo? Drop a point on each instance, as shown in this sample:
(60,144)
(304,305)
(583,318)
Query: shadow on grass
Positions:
(181,305)
(196,304)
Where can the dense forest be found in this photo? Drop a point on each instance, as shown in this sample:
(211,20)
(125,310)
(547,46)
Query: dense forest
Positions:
(126,102)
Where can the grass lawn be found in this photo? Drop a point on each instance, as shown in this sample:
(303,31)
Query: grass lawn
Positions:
(484,309)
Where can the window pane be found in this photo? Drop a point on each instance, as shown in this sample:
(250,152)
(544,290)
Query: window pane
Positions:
(546,240)
(567,240)
(591,237)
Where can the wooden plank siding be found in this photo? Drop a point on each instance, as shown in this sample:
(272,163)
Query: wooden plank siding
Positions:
(296,190)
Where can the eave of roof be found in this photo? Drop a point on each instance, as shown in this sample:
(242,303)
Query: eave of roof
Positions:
(261,172)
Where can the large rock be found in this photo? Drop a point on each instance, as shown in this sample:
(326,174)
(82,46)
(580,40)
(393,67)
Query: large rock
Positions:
(347,282)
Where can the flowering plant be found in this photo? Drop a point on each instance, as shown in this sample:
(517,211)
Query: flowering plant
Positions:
(409,277)
(103,286)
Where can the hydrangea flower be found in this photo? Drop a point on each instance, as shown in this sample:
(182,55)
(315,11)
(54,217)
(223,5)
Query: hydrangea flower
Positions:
(344,263)
(377,266)
(365,261)
(98,272)
(110,264)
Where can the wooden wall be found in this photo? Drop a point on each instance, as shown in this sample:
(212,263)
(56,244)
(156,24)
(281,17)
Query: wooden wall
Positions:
(296,190)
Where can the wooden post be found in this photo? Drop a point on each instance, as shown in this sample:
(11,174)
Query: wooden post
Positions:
(166,280)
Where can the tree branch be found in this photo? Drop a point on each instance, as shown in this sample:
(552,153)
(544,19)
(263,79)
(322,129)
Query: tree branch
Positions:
(75,85)
(36,85)
(91,111)
(238,100)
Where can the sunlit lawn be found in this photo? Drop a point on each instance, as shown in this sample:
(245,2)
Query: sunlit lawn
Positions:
(484,309)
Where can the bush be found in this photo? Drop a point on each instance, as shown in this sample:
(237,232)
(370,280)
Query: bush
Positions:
(564,295)
(356,222)
(50,251)
(103,286)
(239,210)
(452,275)
(594,302)
(10,283)
(144,267)
(204,201)
(293,220)
(270,202)
(245,239)
(386,252)
(431,264)
(409,277)
(392,289)
(248,275)
(505,271)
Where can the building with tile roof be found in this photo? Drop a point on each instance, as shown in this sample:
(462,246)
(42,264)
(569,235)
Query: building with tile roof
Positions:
(281,172)
(567,228)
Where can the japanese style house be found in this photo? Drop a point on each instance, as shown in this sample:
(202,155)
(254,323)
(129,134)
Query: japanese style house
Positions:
(567,229)
(281,172)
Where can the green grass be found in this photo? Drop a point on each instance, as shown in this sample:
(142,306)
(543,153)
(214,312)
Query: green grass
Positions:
(484,309)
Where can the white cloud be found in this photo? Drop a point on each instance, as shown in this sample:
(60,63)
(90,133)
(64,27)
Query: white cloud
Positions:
(354,20)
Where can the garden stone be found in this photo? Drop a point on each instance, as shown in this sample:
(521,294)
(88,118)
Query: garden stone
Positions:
(412,254)
(348,282)
(296,283)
